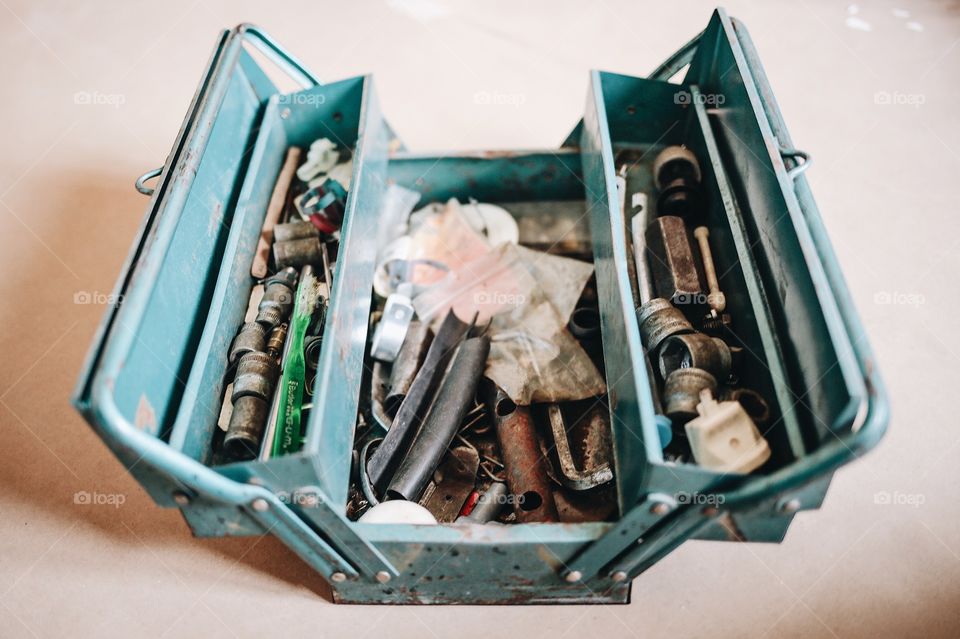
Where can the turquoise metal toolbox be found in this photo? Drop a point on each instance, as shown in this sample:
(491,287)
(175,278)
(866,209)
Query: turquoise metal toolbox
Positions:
(153,381)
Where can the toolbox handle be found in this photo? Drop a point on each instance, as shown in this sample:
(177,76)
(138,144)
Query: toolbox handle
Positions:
(676,62)
(140,184)
(276,54)
(279,56)
(798,167)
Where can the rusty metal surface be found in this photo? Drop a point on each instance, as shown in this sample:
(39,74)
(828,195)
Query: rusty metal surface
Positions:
(673,264)
(518,564)
(452,483)
(597,451)
(525,466)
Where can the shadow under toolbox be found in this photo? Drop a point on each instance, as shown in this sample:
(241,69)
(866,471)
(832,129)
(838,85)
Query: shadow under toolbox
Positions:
(154,383)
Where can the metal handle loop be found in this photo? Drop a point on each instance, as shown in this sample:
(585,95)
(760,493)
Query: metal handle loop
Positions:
(149,175)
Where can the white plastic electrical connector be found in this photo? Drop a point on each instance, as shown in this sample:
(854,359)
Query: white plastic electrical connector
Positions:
(724,438)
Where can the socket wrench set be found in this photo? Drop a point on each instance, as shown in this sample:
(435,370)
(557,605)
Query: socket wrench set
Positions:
(493,377)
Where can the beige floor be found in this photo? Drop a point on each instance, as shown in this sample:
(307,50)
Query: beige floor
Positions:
(885,177)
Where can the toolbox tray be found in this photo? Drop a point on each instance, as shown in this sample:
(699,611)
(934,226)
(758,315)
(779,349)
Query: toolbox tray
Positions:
(153,383)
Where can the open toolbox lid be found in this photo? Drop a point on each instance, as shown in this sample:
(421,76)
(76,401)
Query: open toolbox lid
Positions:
(826,375)
(136,374)
(133,413)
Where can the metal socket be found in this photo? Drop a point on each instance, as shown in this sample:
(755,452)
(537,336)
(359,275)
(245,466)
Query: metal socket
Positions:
(585,323)
(659,319)
(294,231)
(681,393)
(251,337)
(298,253)
(256,376)
(245,431)
(695,350)
(277,298)
(673,265)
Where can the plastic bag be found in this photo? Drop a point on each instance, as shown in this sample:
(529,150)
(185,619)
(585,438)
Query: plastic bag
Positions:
(526,297)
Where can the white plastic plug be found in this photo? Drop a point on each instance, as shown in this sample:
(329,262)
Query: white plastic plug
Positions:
(321,157)
(724,438)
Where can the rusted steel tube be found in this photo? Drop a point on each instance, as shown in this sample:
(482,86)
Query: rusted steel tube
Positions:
(524,464)
(454,399)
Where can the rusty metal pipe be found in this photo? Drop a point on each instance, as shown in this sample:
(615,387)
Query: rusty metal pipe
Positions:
(524,464)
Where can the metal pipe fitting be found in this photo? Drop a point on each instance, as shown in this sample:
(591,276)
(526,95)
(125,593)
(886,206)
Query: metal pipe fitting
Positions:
(488,506)
(695,350)
(256,376)
(585,323)
(277,298)
(659,319)
(681,393)
(524,464)
(251,337)
(298,253)
(245,431)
